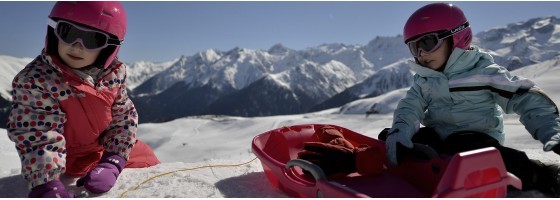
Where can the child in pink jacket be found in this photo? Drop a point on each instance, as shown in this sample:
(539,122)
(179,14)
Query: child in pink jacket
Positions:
(71,113)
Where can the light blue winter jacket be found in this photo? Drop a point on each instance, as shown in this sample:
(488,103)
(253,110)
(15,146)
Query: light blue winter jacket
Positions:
(471,94)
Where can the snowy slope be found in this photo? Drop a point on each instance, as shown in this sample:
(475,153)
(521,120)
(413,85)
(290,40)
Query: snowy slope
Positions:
(10,66)
(195,142)
(545,74)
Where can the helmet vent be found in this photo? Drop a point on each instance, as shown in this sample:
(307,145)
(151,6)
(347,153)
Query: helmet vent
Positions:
(106,13)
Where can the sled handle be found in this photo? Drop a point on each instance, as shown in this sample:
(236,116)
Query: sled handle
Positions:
(315,170)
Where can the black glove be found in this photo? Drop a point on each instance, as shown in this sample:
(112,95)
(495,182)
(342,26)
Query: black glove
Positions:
(332,159)
(556,149)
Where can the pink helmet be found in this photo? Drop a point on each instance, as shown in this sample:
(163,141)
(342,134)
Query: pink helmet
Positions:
(439,17)
(107,16)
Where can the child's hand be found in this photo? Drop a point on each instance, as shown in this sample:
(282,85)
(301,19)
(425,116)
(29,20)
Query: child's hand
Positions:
(51,189)
(104,176)
(556,149)
(553,144)
(393,138)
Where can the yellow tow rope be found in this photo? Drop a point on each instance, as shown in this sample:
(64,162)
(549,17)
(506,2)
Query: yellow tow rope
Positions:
(180,170)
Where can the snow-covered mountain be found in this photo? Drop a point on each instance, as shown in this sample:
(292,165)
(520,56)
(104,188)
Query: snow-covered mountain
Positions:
(523,43)
(391,77)
(288,92)
(281,80)
(243,82)
(139,72)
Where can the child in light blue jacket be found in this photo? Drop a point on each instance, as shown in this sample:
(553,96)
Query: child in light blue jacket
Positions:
(459,94)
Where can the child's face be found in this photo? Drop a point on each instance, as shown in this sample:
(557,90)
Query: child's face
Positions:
(436,59)
(76,56)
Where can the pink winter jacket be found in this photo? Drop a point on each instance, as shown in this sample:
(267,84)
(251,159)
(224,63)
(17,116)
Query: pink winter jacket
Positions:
(61,124)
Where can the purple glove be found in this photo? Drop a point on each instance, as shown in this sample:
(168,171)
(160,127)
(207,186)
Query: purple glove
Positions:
(51,189)
(103,177)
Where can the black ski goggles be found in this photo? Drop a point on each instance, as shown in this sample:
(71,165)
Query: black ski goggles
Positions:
(70,33)
(430,42)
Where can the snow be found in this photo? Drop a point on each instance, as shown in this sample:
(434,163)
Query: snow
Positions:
(555,38)
(10,67)
(188,146)
(282,79)
(140,71)
(189,143)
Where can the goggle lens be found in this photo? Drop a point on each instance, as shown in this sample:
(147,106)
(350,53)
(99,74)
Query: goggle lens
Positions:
(427,43)
(90,39)
(69,34)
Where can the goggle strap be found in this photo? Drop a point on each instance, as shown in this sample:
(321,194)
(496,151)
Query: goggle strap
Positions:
(51,23)
(454,30)
(114,41)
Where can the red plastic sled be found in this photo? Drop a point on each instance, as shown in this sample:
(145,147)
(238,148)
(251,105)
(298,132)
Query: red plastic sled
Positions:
(478,173)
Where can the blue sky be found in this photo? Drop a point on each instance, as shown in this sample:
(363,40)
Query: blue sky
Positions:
(162,31)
